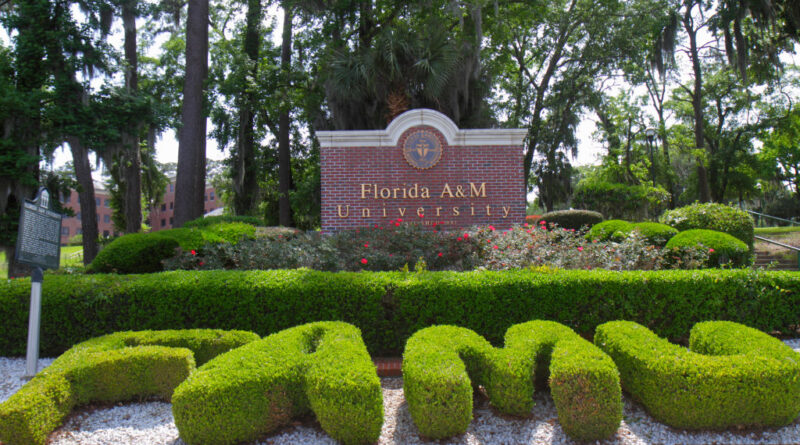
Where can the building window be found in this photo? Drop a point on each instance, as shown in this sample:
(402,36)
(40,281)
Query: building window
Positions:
(107,203)
(78,215)
(211,195)
(66,198)
(65,231)
(97,201)
(170,205)
(163,207)
(79,231)
(205,197)
(105,233)
(172,187)
(106,219)
(171,221)
(163,222)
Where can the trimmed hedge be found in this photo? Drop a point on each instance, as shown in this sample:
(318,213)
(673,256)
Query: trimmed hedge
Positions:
(321,367)
(722,248)
(712,216)
(442,365)
(654,233)
(572,219)
(389,307)
(232,232)
(134,253)
(116,367)
(732,375)
(604,231)
(212,220)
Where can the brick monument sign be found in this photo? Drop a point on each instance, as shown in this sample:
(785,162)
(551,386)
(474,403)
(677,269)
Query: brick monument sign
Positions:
(422,169)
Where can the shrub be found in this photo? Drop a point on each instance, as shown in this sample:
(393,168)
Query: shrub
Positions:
(232,232)
(605,230)
(722,248)
(212,220)
(134,253)
(572,219)
(276,232)
(189,238)
(76,240)
(719,217)
(621,201)
(442,365)
(389,307)
(322,368)
(116,367)
(732,375)
(655,233)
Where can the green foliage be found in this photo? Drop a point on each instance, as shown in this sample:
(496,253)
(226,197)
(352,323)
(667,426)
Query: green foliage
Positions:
(232,232)
(621,201)
(722,248)
(135,253)
(114,368)
(212,220)
(76,240)
(442,365)
(732,375)
(605,230)
(389,307)
(190,238)
(321,367)
(572,219)
(712,216)
(775,230)
(656,234)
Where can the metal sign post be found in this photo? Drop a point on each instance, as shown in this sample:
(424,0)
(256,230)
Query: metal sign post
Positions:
(38,245)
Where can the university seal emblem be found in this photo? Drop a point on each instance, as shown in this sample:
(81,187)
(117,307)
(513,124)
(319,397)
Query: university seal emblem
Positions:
(422,149)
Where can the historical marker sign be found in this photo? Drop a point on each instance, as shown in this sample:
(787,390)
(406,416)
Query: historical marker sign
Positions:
(39,237)
(422,169)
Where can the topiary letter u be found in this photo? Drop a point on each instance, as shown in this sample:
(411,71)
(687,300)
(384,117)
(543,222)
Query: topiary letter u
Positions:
(318,367)
(443,364)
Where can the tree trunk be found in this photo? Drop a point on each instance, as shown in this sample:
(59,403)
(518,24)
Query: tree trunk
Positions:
(191,178)
(132,159)
(88,206)
(245,182)
(697,102)
(284,154)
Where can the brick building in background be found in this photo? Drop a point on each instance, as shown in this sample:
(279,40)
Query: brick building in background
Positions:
(160,218)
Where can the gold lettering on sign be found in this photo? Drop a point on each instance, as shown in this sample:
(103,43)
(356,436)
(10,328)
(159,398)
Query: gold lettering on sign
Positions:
(505,211)
(447,191)
(456,211)
(438,209)
(384,212)
(487,210)
(460,192)
(364,190)
(339,210)
(365,212)
(420,212)
(413,192)
(425,192)
(472,209)
(402,211)
(476,192)
(386,195)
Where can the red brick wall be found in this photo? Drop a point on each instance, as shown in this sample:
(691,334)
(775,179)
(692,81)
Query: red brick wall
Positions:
(345,169)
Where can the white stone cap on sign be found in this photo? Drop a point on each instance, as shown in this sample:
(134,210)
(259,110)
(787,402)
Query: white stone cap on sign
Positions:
(422,116)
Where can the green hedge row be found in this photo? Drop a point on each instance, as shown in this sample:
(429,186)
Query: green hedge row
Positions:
(116,367)
(389,307)
(322,368)
(442,365)
(732,375)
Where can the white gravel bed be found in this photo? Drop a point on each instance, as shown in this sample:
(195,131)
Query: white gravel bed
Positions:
(151,423)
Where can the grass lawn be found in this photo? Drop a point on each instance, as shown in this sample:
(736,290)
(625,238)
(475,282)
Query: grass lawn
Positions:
(66,260)
(775,230)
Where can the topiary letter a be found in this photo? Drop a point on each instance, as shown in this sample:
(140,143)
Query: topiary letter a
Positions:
(321,367)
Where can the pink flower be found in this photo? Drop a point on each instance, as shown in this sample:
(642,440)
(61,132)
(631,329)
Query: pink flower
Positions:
(399,219)
(363,261)
(491,228)
(391,254)
(440,253)
(526,224)
(466,235)
(397,224)
(366,244)
(193,252)
(495,247)
(421,215)
(529,230)
(458,239)
(710,250)
(542,222)
(201,263)
(580,248)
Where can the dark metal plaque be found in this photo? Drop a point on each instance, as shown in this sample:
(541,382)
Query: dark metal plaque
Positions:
(39,237)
